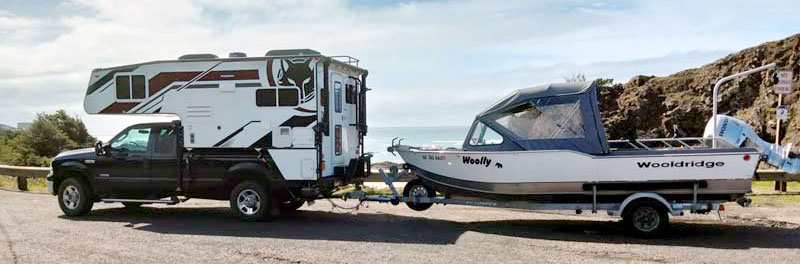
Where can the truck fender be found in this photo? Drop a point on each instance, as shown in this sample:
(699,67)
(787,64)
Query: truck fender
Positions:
(60,170)
(640,195)
(251,169)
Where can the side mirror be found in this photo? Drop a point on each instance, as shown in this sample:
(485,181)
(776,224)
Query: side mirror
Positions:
(99,150)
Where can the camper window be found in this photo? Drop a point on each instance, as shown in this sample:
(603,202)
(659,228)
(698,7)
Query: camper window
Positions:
(350,94)
(137,87)
(131,87)
(287,97)
(484,135)
(545,118)
(123,87)
(266,97)
(337,97)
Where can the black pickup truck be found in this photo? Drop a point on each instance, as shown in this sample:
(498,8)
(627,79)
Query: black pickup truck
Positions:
(146,163)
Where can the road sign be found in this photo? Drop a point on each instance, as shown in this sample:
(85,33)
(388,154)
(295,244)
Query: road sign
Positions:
(782,112)
(784,84)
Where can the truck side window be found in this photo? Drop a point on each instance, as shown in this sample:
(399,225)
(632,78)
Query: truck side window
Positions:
(165,141)
(266,97)
(132,140)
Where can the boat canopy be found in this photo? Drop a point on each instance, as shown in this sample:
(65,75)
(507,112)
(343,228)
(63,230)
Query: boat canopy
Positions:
(561,116)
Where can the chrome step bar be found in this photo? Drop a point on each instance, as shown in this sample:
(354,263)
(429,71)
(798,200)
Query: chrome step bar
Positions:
(173,200)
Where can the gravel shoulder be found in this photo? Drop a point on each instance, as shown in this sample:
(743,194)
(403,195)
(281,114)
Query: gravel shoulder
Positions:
(33,230)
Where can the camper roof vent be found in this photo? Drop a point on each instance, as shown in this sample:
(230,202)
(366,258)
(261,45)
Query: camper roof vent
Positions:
(237,54)
(205,56)
(292,52)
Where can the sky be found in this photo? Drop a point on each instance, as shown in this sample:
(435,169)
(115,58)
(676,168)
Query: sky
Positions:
(431,63)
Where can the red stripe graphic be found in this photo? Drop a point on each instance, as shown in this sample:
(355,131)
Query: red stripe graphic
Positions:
(118,108)
(269,73)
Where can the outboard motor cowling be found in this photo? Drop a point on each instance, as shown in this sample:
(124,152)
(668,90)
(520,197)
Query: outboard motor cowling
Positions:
(737,133)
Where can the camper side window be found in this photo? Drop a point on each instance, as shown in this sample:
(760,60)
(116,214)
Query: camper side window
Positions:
(279,97)
(484,135)
(130,87)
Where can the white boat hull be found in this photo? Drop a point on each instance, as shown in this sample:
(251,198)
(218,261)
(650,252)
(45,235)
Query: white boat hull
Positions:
(721,171)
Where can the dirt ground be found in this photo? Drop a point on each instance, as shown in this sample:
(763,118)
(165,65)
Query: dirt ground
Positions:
(34,230)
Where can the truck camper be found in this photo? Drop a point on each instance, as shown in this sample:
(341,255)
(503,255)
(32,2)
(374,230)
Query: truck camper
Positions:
(267,132)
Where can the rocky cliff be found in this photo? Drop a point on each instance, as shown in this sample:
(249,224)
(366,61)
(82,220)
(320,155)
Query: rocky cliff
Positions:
(650,106)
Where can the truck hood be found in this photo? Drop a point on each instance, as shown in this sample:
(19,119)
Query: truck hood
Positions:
(86,153)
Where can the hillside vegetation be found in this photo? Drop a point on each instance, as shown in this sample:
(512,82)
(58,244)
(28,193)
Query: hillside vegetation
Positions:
(680,104)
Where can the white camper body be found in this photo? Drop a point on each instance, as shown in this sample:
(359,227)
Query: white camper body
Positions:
(306,110)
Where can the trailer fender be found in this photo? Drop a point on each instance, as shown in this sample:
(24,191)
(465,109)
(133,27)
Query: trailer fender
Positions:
(640,195)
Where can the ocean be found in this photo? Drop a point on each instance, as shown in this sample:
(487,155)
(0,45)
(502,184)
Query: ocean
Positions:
(379,138)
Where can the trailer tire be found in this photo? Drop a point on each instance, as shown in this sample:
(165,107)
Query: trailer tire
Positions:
(646,218)
(74,197)
(250,201)
(417,188)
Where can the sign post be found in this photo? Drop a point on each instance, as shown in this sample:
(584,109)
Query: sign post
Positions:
(782,86)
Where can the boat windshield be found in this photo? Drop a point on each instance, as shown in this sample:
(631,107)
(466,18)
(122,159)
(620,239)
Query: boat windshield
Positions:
(484,135)
(545,118)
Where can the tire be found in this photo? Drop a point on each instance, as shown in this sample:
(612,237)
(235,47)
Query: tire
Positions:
(130,206)
(646,218)
(292,205)
(75,197)
(417,188)
(250,201)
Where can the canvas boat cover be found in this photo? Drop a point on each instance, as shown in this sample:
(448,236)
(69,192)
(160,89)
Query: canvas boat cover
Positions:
(562,116)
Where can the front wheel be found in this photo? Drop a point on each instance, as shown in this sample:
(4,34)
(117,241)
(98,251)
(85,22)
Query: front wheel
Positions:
(646,218)
(416,188)
(250,201)
(74,197)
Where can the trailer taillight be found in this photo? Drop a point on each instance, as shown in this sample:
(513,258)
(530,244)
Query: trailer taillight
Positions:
(746,157)
(722,207)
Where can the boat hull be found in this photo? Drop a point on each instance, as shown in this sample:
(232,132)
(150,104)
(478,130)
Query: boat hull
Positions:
(569,175)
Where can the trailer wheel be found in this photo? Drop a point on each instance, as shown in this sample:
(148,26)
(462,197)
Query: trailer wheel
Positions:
(250,201)
(416,188)
(646,218)
(74,197)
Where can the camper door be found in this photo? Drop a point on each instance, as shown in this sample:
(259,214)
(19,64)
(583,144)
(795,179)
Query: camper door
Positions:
(337,120)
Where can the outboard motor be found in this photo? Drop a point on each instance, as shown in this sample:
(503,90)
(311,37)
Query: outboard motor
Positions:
(737,133)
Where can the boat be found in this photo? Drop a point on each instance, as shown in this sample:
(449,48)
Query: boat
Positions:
(548,143)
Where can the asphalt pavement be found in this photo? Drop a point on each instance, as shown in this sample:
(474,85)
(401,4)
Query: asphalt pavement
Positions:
(34,230)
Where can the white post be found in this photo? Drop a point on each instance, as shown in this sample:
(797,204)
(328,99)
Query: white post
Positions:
(716,92)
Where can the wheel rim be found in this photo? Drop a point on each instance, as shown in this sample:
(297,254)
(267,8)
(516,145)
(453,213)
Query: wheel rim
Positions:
(418,191)
(71,197)
(646,219)
(248,202)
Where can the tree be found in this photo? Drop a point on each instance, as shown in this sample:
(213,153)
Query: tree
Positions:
(48,135)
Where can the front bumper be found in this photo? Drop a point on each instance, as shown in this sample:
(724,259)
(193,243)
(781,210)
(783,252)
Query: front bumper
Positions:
(50,188)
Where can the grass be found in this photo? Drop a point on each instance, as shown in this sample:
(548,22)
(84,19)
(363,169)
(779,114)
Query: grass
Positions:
(34,185)
(368,190)
(768,186)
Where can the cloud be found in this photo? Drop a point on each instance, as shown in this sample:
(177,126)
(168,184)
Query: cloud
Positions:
(430,62)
